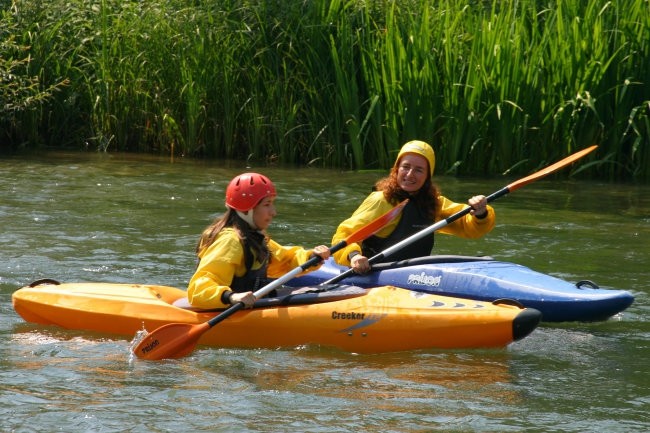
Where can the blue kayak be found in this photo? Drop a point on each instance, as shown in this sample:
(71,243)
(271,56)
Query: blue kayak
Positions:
(486,279)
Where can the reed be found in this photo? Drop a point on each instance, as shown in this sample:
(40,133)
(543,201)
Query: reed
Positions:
(498,86)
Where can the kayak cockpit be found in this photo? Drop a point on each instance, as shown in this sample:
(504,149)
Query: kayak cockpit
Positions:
(293,296)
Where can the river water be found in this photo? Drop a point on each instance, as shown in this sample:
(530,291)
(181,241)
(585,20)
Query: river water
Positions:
(124,218)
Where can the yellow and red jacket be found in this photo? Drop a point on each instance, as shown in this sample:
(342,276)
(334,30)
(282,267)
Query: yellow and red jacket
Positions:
(224,260)
(376,205)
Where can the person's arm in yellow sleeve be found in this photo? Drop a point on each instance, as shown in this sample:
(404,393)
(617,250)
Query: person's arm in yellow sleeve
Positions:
(284,259)
(468,226)
(219,264)
(370,209)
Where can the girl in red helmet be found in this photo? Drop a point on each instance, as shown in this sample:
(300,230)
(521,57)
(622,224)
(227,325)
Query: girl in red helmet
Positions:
(236,255)
(409,178)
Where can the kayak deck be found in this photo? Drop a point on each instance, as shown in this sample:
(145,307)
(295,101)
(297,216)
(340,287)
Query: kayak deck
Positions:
(486,279)
(373,320)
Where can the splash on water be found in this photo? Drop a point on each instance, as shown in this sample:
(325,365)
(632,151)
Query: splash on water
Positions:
(137,339)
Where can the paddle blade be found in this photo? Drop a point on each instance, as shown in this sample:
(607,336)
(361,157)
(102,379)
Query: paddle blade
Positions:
(174,340)
(375,225)
(550,169)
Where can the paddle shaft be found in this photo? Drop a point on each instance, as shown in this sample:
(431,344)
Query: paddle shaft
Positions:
(175,340)
(273,285)
(445,222)
(358,235)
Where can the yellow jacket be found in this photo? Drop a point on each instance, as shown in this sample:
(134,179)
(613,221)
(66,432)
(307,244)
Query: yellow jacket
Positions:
(376,205)
(224,259)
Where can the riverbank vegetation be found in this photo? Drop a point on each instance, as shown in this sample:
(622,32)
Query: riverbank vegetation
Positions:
(502,86)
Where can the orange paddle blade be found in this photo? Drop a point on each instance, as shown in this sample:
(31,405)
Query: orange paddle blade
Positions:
(551,168)
(174,340)
(374,226)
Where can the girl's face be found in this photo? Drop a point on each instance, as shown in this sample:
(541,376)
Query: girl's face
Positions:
(264,212)
(412,172)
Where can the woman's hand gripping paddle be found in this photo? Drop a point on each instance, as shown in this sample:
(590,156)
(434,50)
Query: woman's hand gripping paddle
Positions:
(442,223)
(176,340)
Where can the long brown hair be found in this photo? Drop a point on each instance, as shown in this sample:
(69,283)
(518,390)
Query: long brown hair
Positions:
(426,197)
(248,236)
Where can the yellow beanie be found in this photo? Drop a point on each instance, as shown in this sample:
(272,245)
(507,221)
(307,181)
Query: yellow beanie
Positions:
(419,148)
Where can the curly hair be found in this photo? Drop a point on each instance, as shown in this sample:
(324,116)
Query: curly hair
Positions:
(426,197)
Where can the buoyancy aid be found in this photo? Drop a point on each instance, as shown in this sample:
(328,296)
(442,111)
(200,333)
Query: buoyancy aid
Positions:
(253,279)
(413,220)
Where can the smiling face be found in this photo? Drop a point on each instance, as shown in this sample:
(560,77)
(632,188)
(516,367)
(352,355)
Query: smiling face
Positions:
(264,213)
(412,172)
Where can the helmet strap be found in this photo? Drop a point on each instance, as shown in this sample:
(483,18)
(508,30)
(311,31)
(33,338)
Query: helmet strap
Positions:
(248,217)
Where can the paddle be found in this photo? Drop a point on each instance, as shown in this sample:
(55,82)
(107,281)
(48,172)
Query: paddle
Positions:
(176,340)
(442,223)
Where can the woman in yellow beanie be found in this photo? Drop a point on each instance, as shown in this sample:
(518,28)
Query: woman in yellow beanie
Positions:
(409,178)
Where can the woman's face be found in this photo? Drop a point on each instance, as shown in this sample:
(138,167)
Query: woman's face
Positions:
(412,172)
(264,212)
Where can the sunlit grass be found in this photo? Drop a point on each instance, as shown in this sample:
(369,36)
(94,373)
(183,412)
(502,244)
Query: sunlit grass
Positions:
(496,86)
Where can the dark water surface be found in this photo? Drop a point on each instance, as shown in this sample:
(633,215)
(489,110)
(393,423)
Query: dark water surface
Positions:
(98,217)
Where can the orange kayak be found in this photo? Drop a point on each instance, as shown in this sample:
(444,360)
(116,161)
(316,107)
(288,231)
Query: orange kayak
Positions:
(350,318)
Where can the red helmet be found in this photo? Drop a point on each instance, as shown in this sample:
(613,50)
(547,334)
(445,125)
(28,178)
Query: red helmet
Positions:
(245,191)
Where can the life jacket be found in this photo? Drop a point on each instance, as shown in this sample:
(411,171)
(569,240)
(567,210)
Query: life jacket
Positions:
(253,279)
(413,220)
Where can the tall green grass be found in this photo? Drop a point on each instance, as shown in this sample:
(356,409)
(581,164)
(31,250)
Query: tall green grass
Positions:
(501,86)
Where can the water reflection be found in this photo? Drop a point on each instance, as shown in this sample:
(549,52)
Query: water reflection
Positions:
(405,382)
